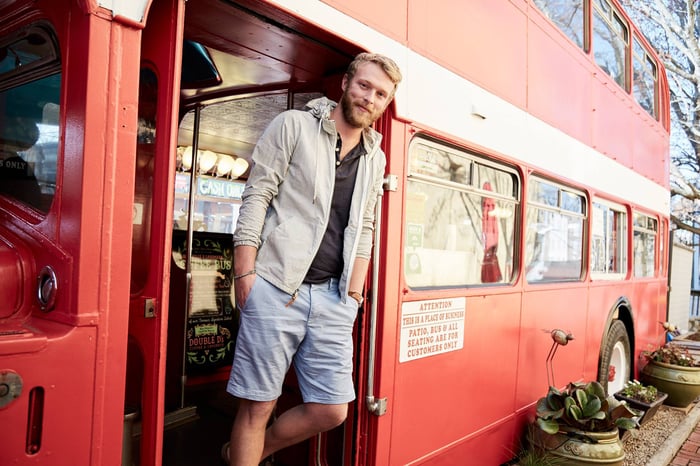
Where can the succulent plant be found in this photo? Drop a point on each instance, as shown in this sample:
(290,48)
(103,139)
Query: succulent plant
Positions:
(636,390)
(583,407)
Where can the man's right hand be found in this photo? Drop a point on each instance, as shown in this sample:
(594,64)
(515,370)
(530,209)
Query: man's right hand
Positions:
(242,287)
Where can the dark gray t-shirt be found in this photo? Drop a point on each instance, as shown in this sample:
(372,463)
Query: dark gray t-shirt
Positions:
(328,262)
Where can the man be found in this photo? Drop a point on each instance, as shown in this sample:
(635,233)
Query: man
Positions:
(301,251)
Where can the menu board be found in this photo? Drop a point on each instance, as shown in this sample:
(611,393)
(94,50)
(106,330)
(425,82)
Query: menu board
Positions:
(212,322)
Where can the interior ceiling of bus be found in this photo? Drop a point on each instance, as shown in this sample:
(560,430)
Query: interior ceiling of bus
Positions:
(256,49)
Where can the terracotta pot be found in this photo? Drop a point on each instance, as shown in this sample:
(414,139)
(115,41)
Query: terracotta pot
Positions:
(576,448)
(682,384)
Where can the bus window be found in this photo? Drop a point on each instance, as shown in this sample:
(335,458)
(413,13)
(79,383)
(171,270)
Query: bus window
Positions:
(644,78)
(567,15)
(460,218)
(30,83)
(644,245)
(554,237)
(663,241)
(143,179)
(608,241)
(610,38)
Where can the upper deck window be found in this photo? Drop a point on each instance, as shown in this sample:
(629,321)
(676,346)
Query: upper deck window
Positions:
(644,79)
(610,39)
(30,82)
(568,15)
(460,218)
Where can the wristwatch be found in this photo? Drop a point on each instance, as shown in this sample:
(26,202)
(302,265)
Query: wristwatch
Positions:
(357,296)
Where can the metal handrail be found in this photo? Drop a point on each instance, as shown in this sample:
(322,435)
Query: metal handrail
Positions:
(374,405)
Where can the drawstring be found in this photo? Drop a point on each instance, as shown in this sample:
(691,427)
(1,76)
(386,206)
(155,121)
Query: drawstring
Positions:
(318,166)
(294,298)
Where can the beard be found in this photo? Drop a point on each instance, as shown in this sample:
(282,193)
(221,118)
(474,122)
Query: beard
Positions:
(355,116)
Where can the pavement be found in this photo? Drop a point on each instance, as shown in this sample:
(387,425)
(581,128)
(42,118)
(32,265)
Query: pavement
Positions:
(683,447)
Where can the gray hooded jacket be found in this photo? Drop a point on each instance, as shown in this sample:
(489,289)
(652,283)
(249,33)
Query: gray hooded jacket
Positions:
(287,198)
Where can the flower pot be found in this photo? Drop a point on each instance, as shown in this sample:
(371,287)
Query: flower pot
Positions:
(649,409)
(577,448)
(682,384)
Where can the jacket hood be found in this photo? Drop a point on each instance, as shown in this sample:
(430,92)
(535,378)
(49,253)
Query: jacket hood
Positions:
(321,108)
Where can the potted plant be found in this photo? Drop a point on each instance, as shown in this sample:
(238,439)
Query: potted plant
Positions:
(581,425)
(646,398)
(673,370)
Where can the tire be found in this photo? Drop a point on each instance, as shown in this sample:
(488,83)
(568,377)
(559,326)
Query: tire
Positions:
(615,366)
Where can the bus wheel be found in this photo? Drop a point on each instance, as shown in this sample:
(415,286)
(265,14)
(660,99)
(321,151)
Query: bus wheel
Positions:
(615,361)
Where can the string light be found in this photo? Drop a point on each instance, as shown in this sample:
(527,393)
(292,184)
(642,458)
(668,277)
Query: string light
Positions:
(224,164)
(240,166)
(220,165)
(206,160)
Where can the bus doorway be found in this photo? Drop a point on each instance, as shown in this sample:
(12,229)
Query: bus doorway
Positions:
(240,66)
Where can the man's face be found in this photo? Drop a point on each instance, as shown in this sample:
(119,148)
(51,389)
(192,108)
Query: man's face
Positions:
(366,95)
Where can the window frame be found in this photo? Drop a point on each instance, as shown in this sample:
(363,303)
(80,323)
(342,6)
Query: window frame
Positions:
(611,17)
(39,72)
(646,60)
(561,210)
(623,235)
(470,187)
(652,227)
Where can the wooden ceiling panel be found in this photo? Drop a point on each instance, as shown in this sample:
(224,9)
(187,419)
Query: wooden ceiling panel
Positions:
(254,44)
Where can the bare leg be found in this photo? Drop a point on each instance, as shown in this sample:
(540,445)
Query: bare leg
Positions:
(248,432)
(301,422)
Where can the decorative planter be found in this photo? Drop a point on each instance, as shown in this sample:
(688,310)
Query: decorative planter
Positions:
(576,448)
(682,384)
(649,409)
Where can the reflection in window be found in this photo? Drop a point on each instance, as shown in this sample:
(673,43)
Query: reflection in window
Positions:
(554,235)
(608,241)
(143,179)
(567,15)
(460,218)
(30,80)
(644,245)
(610,38)
(644,78)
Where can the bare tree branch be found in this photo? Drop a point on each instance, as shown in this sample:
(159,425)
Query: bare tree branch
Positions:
(672,27)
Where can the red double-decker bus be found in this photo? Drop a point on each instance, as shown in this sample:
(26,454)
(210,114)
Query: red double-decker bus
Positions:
(526,190)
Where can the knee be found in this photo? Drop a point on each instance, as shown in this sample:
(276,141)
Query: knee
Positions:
(330,416)
(255,412)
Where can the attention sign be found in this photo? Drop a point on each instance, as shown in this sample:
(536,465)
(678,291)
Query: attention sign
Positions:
(431,327)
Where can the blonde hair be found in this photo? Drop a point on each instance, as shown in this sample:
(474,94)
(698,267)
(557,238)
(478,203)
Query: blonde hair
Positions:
(387,64)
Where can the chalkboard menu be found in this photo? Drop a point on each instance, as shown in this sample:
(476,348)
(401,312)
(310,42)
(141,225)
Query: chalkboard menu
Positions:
(211,322)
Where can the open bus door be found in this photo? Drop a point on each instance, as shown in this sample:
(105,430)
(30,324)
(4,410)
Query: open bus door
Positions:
(182,413)
(152,220)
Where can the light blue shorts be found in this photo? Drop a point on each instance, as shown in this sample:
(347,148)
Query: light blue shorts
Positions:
(314,333)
